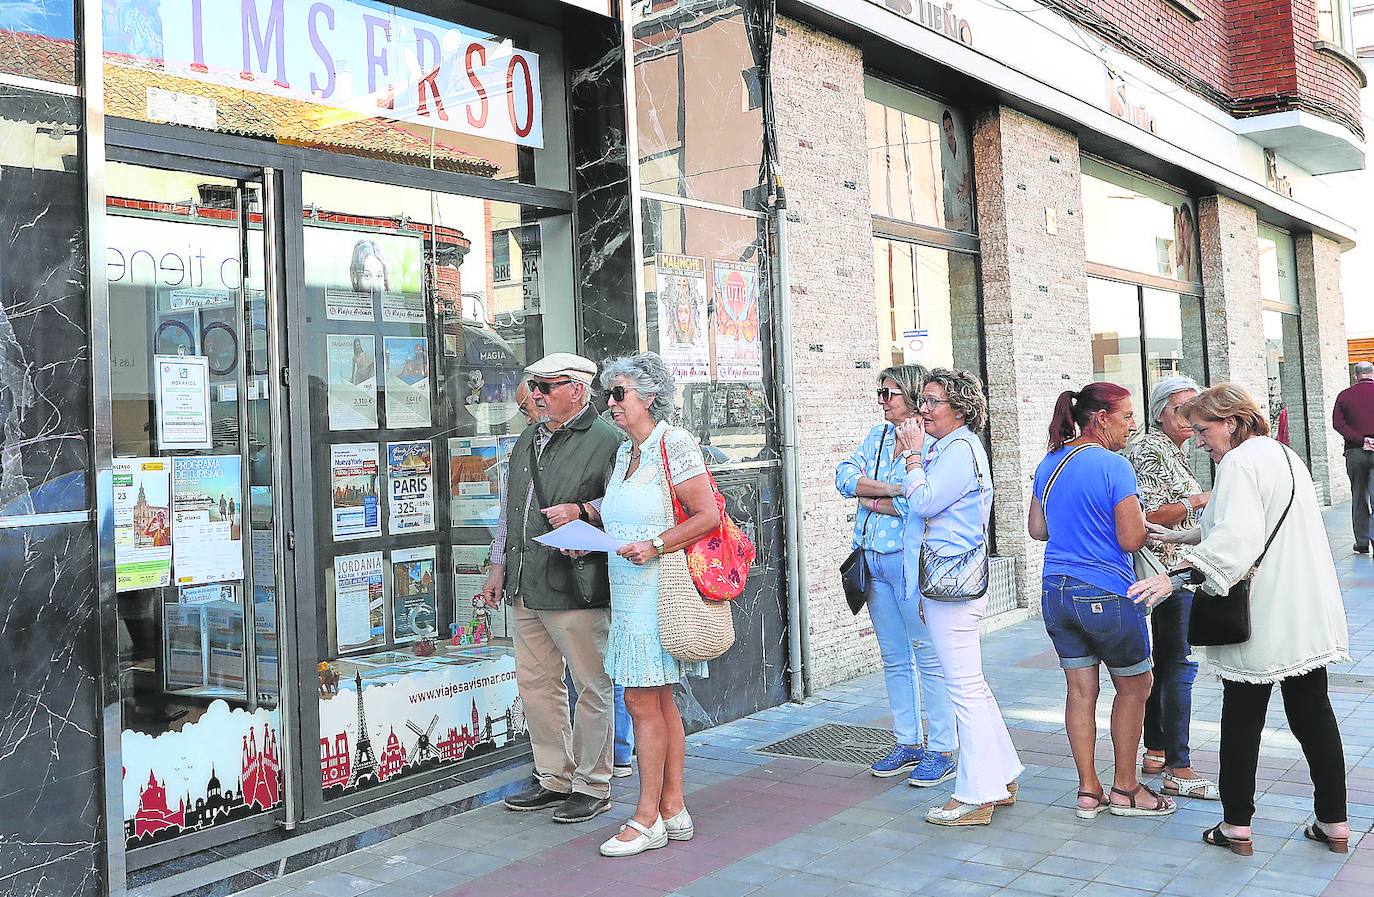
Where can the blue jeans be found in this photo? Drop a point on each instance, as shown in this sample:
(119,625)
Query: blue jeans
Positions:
(1170,706)
(898,625)
(1089,625)
(624,748)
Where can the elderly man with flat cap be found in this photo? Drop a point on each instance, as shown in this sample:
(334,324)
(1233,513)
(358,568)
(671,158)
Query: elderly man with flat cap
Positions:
(562,604)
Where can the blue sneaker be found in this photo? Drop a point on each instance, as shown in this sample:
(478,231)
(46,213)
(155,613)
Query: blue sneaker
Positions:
(933,769)
(899,760)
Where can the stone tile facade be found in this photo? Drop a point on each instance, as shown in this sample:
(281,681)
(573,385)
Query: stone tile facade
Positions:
(1229,233)
(1326,362)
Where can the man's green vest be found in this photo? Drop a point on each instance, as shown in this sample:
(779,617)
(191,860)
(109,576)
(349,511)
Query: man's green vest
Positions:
(572,468)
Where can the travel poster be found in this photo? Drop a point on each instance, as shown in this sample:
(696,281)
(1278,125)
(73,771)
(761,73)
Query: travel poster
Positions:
(354,502)
(410,487)
(224,631)
(359,602)
(184,637)
(414,605)
(739,348)
(351,362)
(682,297)
(407,381)
(207,519)
(183,402)
(474,481)
(143,523)
(358,270)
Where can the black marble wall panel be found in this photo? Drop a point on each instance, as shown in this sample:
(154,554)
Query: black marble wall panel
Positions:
(605,250)
(44,372)
(51,827)
(752,675)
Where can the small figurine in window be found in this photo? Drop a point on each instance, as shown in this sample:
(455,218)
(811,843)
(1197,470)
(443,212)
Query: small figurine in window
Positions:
(329,679)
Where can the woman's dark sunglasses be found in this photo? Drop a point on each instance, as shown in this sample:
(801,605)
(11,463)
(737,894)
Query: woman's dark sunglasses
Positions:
(886,394)
(545,388)
(617,393)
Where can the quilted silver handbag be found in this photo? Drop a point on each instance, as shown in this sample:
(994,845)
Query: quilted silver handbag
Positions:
(959,577)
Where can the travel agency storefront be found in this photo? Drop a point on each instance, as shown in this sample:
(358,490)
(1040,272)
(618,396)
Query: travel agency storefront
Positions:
(267,300)
(1049,194)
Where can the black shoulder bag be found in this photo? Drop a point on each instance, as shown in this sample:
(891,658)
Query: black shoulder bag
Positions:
(1225,619)
(855,576)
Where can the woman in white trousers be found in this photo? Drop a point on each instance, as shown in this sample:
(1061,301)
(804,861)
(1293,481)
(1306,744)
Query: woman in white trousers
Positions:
(950,487)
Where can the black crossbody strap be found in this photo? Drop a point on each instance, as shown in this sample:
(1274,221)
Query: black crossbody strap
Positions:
(1287,456)
(877,464)
(1045,498)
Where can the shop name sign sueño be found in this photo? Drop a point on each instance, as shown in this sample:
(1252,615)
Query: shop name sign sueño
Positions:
(938,17)
(366,60)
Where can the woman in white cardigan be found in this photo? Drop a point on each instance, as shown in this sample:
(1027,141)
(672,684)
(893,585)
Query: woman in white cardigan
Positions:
(1297,619)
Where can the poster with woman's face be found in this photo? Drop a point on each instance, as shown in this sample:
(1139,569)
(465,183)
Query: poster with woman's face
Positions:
(362,272)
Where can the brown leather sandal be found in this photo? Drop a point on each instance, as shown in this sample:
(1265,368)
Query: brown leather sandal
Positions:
(1314,832)
(1091,812)
(1163,806)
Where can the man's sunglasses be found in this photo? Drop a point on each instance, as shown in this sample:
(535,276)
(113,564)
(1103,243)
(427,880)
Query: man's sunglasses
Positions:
(545,387)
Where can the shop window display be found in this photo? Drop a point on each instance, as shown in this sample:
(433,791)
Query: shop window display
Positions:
(1135,224)
(422,310)
(926,301)
(920,163)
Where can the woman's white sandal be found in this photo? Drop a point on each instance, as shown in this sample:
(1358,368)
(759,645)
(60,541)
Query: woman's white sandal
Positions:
(1201,789)
(964,814)
(680,827)
(650,838)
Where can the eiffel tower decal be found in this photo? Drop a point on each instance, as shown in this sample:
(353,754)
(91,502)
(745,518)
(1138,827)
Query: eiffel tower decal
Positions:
(365,762)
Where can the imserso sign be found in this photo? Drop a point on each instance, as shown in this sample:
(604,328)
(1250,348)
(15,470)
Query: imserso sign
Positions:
(365,59)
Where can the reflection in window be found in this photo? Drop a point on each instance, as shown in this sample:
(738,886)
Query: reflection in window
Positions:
(1114,317)
(703,286)
(1136,224)
(698,101)
(926,304)
(37,40)
(422,310)
(919,159)
(1287,402)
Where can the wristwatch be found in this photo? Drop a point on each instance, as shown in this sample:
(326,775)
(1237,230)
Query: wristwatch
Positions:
(906,453)
(657,543)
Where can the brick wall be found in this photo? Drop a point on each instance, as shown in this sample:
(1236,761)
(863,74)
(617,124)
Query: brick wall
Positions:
(1326,357)
(1035,307)
(1250,57)
(819,95)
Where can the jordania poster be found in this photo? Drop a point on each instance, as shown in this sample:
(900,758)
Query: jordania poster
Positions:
(359,603)
(143,523)
(739,348)
(682,297)
(207,518)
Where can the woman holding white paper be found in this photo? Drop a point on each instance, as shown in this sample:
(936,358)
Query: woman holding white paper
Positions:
(637,512)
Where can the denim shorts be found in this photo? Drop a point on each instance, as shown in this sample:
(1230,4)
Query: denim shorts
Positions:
(1089,625)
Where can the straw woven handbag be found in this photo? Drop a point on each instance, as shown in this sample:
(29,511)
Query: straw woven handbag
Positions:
(691,628)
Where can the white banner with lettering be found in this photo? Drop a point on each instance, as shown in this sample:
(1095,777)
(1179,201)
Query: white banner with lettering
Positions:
(367,59)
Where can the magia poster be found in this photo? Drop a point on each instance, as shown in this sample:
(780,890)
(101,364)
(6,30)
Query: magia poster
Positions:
(351,362)
(207,518)
(739,348)
(143,523)
(410,482)
(682,337)
(407,381)
(354,502)
(359,602)
(414,605)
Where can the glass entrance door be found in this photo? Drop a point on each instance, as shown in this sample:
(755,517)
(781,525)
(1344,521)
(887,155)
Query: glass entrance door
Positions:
(196,425)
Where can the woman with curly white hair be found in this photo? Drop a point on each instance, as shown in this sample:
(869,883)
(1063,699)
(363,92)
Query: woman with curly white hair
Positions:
(639,395)
(950,486)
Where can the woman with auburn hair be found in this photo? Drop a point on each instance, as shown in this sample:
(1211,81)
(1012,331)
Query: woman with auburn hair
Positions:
(1086,506)
(1264,524)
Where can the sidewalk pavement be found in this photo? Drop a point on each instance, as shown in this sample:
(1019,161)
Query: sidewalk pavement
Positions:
(771,826)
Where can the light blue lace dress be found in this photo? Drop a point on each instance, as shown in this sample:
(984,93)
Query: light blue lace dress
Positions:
(633,510)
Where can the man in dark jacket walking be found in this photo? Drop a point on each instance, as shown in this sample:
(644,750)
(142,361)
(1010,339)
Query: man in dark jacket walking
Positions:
(562,605)
(1353,418)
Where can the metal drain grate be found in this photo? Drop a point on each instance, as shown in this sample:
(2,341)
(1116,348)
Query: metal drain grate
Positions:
(844,744)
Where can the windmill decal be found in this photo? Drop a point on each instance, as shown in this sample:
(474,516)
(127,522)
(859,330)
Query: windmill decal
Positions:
(365,763)
(424,750)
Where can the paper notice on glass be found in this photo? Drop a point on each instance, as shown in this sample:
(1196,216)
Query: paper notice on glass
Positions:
(579,536)
(143,523)
(359,611)
(682,299)
(354,469)
(410,483)
(183,402)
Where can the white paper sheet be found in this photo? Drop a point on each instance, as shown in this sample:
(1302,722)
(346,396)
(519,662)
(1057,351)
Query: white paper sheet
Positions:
(579,536)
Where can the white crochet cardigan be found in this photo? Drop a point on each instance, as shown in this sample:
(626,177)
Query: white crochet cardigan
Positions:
(1297,618)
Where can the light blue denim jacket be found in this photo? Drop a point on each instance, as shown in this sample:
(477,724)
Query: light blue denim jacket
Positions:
(885,532)
(944,490)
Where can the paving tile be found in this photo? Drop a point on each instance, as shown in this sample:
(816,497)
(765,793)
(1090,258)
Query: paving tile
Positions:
(716,887)
(798,884)
(341,884)
(1052,885)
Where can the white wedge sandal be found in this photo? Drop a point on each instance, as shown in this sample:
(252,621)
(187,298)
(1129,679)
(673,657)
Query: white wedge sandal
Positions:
(651,838)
